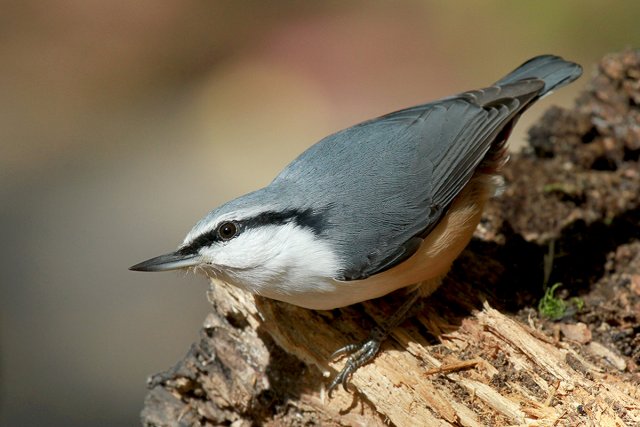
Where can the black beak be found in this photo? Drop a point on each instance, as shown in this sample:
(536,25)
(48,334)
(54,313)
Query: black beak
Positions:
(171,261)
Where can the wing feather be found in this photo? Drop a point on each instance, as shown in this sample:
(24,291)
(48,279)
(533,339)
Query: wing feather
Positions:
(408,168)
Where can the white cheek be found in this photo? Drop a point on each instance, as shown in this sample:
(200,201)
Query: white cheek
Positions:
(274,252)
(249,250)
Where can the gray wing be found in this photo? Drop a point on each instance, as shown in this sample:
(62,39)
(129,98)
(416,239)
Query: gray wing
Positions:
(382,184)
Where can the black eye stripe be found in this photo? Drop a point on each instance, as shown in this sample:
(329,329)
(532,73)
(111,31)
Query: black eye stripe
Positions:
(304,218)
(206,239)
(273,218)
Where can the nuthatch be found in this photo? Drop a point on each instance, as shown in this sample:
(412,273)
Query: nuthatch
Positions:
(386,204)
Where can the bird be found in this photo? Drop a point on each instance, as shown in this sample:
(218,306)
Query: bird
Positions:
(384,205)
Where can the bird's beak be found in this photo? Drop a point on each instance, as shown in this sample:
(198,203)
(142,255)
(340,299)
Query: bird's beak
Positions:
(171,261)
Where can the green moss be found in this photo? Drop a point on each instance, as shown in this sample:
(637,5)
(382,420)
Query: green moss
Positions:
(578,303)
(550,306)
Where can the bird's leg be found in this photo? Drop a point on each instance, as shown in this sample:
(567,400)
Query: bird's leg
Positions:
(363,352)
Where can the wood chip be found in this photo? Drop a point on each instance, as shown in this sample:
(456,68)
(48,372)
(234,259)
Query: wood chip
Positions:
(454,367)
(578,332)
(598,350)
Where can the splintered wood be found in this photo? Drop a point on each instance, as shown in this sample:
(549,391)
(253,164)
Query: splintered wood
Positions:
(510,377)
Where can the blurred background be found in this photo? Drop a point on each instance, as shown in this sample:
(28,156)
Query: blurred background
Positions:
(122,123)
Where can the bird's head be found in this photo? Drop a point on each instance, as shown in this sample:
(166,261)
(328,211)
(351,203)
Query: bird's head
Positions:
(253,244)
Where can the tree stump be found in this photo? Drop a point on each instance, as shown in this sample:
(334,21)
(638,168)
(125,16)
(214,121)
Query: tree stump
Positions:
(479,353)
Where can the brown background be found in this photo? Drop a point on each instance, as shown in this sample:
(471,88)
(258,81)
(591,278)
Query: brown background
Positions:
(122,123)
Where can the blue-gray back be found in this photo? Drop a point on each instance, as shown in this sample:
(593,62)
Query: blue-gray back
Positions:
(379,186)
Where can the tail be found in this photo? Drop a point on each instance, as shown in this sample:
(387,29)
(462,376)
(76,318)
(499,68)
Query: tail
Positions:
(553,70)
(525,84)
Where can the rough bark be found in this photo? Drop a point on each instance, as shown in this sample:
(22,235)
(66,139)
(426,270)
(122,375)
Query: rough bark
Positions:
(478,354)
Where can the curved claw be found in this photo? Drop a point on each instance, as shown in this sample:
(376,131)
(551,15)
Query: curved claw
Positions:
(361,354)
(341,378)
(349,348)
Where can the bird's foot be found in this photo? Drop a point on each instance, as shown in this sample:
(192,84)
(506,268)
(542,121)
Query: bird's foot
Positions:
(359,354)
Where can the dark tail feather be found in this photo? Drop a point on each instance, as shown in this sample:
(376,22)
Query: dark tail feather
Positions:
(553,70)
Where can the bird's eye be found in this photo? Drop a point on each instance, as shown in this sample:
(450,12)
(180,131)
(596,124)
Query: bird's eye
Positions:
(227,230)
